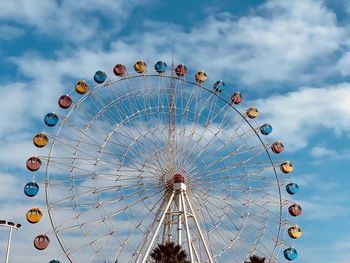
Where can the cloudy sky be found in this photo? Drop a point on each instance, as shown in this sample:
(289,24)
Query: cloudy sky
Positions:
(290,58)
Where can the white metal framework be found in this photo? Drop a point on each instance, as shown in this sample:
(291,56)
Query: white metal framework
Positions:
(110,181)
(178,211)
(10,226)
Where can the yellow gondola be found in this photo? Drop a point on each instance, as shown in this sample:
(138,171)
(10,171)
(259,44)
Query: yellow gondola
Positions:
(286,167)
(34,215)
(40,140)
(295,232)
(81,87)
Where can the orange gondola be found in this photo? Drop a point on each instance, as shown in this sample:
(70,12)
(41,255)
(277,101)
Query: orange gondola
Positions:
(140,67)
(252,113)
(201,76)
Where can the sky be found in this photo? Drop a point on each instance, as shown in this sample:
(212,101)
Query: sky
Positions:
(290,58)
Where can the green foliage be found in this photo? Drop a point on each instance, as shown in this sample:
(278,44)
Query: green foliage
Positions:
(169,253)
(255,259)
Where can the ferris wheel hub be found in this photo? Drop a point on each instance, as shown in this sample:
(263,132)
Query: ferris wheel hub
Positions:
(178,182)
(178,178)
(175,182)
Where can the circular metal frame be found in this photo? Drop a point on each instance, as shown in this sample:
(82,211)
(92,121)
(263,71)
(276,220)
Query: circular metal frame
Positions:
(156,162)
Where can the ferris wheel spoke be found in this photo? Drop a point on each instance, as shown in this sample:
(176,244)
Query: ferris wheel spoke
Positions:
(193,101)
(92,191)
(77,122)
(128,206)
(73,126)
(198,141)
(124,135)
(140,152)
(243,163)
(100,247)
(64,228)
(207,201)
(235,135)
(142,144)
(119,176)
(203,221)
(226,168)
(218,237)
(112,117)
(197,116)
(141,91)
(227,226)
(149,89)
(118,114)
(239,151)
(184,117)
(214,221)
(67,226)
(255,177)
(228,216)
(72,251)
(225,157)
(132,142)
(139,224)
(133,160)
(254,233)
(69,164)
(143,219)
(218,129)
(69,141)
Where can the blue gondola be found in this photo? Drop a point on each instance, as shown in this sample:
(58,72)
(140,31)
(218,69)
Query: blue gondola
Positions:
(290,254)
(100,77)
(51,119)
(54,261)
(218,86)
(160,67)
(292,188)
(266,129)
(31,189)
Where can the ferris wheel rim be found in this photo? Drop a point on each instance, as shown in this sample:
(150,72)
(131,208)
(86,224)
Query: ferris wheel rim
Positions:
(170,77)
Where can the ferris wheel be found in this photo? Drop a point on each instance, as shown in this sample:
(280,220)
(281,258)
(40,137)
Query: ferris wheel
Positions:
(157,156)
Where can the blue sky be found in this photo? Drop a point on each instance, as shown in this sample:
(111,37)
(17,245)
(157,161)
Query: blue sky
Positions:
(290,58)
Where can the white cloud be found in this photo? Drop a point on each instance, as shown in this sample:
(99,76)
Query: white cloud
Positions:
(300,114)
(75,21)
(319,151)
(341,250)
(282,42)
(343,64)
(11,182)
(256,40)
(285,41)
(23,107)
(10,32)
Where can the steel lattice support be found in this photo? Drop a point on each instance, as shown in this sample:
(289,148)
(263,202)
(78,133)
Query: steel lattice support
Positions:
(179,214)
